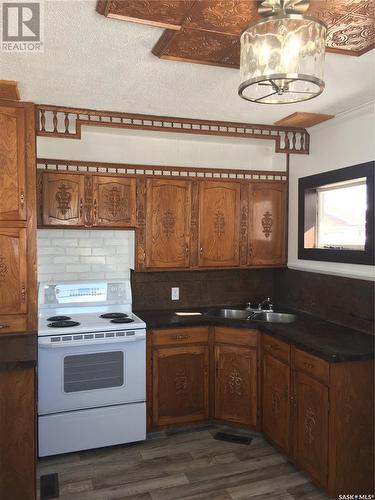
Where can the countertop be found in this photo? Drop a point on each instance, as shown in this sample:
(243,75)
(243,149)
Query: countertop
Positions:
(329,341)
(18,350)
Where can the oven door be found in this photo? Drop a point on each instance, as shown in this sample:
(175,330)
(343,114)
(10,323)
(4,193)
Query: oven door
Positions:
(91,372)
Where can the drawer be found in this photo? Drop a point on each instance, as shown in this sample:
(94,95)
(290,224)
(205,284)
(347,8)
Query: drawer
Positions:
(312,365)
(170,336)
(236,336)
(276,347)
(11,324)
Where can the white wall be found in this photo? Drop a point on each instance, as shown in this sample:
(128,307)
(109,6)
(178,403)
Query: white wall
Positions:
(346,140)
(82,254)
(169,149)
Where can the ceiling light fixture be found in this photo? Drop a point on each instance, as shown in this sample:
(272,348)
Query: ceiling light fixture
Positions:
(282,56)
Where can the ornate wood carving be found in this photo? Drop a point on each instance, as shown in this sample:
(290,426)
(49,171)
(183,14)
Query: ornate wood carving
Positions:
(208,31)
(88,201)
(168,220)
(235,382)
(275,402)
(219,224)
(309,424)
(114,203)
(3,269)
(59,121)
(141,224)
(267,223)
(194,254)
(217,174)
(181,384)
(244,224)
(63,198)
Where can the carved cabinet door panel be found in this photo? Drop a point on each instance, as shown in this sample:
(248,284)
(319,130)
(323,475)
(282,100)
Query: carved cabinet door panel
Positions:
(310,424)
(236,384)
(168,215)
(13,273)
(12,164)
(180,384)
(62,199)
(219,229)
(275,404)
(267,223)
(114,201)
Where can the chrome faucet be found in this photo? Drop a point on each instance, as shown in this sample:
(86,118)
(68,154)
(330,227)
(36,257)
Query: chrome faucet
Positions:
(263,306)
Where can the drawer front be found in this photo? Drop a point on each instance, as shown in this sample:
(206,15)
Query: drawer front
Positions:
(276,348)
(170,336)
(312,365)
(12,324)
(236,336)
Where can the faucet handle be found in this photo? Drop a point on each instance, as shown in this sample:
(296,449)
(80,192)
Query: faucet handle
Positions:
(266,304)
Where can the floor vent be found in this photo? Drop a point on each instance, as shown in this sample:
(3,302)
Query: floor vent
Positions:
(232,438)
(49,486)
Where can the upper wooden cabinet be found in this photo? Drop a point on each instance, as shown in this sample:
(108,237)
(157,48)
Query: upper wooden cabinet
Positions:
(168,215)
(12,163)
(62,199)
(219,229)
(114,201)
(267,223)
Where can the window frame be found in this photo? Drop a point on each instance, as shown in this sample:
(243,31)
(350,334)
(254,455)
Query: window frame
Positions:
(311,183)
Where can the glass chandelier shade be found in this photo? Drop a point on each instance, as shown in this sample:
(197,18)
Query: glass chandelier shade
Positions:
(282,59)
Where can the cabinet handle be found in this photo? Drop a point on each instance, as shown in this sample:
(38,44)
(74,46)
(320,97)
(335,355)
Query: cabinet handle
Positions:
(80,207)
(309,366)
(95,209)
(250,250)
(187,250)
(273,348)
(201,250)
(181,337)
(4,326)
(22,199)
(293,399)
(23,293)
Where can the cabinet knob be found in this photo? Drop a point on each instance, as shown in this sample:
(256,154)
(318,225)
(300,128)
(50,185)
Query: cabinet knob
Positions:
(309,366)
(186,250)
(4,326)
(23,293)
(81,207)
(95,208)
(22,199)
(181,337)
(201,250)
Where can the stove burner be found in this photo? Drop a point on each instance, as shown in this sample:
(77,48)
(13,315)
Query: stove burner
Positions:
(62,324)
(122,320)
(58,318)
(114,315)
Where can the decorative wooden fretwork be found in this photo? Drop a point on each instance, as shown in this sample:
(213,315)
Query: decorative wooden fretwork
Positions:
(3,269)
(113,201)
(63,199)
(267,223)
(309,424)
(59,121)
(219,224)
(180,382)
(53,165)
(168,221)
(235,382)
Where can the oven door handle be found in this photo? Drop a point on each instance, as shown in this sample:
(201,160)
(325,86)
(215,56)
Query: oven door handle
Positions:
(76,343)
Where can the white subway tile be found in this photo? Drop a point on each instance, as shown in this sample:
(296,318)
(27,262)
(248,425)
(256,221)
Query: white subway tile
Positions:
(91,242)
(49,250)
(77,268)
(104,251)
(92,260)
(78,251)
(68,259)
(44,242)
(65,242)
(76,233)
(122,250)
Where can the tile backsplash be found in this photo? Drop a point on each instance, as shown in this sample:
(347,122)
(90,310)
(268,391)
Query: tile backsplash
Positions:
(81,254)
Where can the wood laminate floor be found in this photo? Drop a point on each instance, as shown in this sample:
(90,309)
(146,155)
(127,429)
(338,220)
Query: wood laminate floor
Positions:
(185,465)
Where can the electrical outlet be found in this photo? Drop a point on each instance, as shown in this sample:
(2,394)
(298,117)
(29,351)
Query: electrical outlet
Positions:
(175,293)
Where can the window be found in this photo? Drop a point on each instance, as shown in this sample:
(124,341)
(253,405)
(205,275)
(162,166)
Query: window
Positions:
(336,215)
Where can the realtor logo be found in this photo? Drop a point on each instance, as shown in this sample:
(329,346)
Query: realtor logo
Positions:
(21,27)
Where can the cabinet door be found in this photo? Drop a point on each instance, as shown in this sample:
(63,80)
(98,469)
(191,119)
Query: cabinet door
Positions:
(236,384)
(267,217)
(114,201)
(17,434)
(180,384)
(276,405)
(310,424)
(219,236)
(168,223)
(12,164)
(62,200)
(13,274)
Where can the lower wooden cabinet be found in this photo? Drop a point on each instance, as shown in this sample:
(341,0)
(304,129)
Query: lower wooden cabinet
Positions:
(180,384)
(17,434)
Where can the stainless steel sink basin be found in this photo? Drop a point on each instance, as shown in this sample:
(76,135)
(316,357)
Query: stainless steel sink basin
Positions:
(274,317)
(229,313)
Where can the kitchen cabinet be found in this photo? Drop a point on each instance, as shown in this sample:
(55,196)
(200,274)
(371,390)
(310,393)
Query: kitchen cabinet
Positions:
(62,199)
(168,215)
(267,224)
(275,400)
(114,201)
(219,228)
(17,433)
(180,376)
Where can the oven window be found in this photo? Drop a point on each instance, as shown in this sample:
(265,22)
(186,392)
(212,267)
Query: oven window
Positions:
(86,372)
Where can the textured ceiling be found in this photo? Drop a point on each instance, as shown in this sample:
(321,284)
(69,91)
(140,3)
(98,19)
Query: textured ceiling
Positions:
(93,62)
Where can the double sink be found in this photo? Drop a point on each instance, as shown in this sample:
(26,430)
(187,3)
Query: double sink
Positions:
(250,315)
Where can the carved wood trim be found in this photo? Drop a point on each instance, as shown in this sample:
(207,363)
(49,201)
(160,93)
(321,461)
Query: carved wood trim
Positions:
(193,173)
(194,224)
(244,224)
(64,122)
(141,225)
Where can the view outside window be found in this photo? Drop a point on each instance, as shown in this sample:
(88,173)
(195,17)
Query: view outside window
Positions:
(341,215)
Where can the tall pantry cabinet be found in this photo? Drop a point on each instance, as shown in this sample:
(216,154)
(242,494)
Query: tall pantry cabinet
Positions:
(18,293)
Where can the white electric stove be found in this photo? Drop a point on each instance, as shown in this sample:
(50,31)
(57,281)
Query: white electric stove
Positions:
(91,367)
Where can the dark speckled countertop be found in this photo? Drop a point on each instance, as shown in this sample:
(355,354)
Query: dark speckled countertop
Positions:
(330,341)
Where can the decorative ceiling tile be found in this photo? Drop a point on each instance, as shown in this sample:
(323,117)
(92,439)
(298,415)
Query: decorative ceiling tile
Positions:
(352,33)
